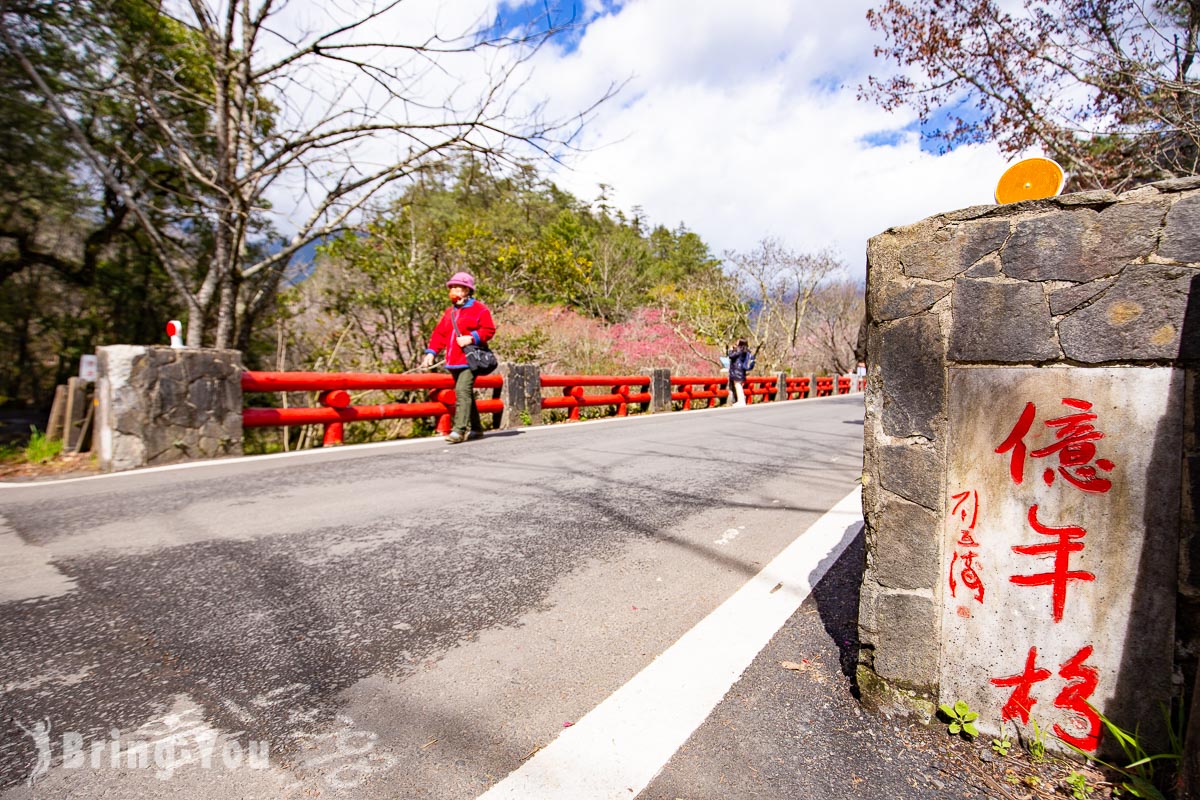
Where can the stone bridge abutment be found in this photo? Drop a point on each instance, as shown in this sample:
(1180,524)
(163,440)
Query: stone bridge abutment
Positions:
(1030,460)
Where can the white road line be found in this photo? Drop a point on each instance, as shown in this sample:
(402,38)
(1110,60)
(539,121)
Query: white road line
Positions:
(618,747)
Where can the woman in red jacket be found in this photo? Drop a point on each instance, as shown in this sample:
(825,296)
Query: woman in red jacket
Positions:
(466,322)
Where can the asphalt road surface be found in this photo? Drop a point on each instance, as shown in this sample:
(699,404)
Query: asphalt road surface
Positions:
(411,620)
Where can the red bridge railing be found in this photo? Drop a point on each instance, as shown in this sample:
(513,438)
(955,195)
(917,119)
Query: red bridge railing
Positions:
(761,389)
(336,407)
(796,388)
(708,390)
(621,392)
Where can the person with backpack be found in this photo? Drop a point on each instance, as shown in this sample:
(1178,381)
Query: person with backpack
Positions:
(741,361)
(466,323)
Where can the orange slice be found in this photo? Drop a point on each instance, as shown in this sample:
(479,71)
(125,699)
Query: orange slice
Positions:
(1031,179)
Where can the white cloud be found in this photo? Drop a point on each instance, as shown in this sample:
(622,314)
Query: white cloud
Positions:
(741,120)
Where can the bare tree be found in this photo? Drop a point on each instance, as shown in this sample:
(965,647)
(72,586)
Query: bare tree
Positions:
(778,285)
(333,115)
(837,312)
(1106,87)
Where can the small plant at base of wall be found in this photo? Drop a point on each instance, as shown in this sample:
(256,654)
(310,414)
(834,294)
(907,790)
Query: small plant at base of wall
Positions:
(1143,776)
(1037,745)
(961,719)
(1078,786)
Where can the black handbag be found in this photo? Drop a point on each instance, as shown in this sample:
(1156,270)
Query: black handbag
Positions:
(480,359)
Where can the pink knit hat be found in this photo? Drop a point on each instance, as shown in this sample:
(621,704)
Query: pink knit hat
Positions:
(461,279)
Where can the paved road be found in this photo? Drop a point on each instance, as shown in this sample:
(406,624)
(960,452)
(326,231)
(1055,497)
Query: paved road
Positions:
(412,620)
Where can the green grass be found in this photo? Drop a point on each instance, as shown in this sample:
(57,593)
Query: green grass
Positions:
(40,449)
(11,452)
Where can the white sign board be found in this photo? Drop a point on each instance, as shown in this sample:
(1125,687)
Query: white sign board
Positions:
(87,368)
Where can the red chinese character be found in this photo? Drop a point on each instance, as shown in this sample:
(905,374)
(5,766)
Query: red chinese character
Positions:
(1073,446)
(1016,443)
(1021,702)
(1075,450)
(1081,682)
(1062,550)
(1074,698)
(970,577)
(958,509)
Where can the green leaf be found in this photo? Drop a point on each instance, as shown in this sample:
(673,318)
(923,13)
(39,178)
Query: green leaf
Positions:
(955,727)
(961,708)
(971,730)
(971,717)
(1140,787)
(945,709)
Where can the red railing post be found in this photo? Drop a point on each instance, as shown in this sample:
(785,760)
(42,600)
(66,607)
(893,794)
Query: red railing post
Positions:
(445,422)
(623,406)
(575,392)
(333,398)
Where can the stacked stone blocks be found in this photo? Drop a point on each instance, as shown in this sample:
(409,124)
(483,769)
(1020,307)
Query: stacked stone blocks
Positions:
(1092,278)
(159,405)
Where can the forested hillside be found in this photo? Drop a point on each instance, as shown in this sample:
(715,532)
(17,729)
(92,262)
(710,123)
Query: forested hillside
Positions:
(575,286)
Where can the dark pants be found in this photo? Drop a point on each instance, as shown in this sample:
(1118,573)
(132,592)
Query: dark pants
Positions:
(465,412)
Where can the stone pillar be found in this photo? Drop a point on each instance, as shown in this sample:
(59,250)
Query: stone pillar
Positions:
(522,395)
(994,333)
(660,390)
(812,386)
(159,405)
(780,386)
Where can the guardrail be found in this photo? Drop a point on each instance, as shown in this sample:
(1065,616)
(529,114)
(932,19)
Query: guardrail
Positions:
(336,409)
(796,388)
(762,389)
(574,397)
(336,406)
(684,390)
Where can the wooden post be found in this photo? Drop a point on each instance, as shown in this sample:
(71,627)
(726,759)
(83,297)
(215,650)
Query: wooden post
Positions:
(58,414)
(77,406)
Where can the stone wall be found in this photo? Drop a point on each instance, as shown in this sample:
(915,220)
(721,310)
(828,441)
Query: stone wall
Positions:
(971,315)
(159,405)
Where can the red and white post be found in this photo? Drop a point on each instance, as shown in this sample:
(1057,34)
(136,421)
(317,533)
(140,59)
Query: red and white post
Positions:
(175,331)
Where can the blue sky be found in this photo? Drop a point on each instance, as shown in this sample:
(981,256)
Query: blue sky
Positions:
(571,15)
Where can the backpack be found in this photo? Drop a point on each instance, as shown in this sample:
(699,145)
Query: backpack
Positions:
(749,360)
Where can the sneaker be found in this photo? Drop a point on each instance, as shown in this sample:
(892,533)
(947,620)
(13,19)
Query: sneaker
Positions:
(473,435)
(456,437)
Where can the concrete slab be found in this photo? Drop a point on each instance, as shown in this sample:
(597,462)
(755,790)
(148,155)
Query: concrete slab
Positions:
(1059,545)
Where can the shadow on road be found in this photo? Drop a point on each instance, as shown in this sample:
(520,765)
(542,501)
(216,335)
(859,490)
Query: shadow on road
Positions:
(836,598)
